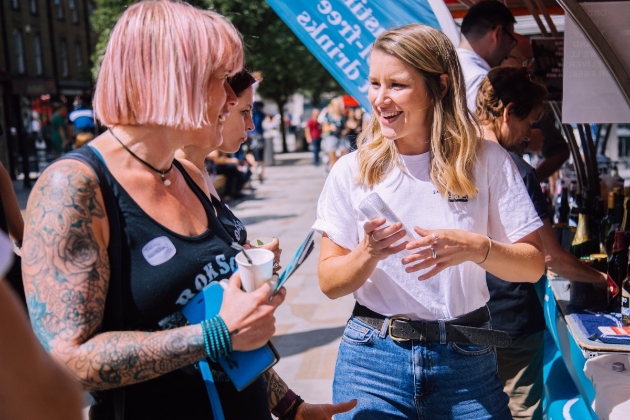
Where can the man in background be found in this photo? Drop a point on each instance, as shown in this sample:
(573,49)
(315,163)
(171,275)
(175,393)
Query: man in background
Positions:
(487,37)
(313,134)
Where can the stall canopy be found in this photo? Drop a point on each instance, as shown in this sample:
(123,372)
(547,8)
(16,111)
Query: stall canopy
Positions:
(340,33)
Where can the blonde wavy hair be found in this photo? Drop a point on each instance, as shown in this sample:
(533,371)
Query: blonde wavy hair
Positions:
(454,142)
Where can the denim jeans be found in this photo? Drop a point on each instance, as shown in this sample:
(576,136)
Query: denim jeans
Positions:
(416,379)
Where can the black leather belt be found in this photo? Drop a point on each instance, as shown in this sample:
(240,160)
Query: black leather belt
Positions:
(464,329)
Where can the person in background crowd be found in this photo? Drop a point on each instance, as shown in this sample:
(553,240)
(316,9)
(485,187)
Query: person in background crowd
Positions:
(237,175)
(352,129)
(546,138)
(118,326)
(487,37)
(235,129)
(81,118)
(333,121)
(59,134)
(257,141)
(32,385)
(313,134)
(12,224)
(401,354)
(508,103)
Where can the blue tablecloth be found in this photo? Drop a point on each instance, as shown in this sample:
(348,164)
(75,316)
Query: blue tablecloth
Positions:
(591,319)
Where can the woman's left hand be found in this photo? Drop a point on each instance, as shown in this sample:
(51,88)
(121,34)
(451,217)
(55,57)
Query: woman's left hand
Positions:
(308,411)
(443,248)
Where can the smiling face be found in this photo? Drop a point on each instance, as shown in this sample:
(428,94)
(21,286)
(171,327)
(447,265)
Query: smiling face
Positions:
(239,122)
(222,98)
(516,132)
(401,102)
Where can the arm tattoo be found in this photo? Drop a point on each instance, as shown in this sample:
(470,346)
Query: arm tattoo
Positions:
(276,388)
(66,278)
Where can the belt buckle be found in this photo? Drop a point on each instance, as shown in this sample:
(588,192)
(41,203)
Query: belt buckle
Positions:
(389,328)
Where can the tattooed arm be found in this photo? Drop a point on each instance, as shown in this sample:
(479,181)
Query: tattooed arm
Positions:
(66,277)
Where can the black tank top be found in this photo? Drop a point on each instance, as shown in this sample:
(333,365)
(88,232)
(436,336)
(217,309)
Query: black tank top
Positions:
(161,271)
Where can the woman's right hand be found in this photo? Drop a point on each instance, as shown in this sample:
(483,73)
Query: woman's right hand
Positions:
(249,316)
(379,242)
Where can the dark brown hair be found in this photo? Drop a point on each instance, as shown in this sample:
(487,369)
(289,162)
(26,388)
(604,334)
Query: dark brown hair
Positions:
(241,81)
(505,85)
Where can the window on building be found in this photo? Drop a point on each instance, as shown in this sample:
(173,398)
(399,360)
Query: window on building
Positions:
(623,143)
(59,6)
(91,7)
(33,6)
(19,51)
(73,11)
(37,53)
(63,55)
(15,4)
(78,55)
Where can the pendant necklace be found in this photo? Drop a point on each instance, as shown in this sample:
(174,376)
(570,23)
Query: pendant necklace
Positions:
(166,181)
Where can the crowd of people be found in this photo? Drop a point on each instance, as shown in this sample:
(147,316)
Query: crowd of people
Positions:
(121,234)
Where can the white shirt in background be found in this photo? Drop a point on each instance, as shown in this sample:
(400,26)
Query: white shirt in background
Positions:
(475,69)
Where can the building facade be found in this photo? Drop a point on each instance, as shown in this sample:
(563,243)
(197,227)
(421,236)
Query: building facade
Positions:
(45,57)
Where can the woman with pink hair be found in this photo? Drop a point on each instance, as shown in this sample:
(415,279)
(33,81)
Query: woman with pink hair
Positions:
(105,297)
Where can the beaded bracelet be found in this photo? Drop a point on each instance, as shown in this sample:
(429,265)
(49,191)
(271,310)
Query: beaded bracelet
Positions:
(216,338)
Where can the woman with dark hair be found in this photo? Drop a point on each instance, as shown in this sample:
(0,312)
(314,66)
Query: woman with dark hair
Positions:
(508,102)
(237,124)
(419,343)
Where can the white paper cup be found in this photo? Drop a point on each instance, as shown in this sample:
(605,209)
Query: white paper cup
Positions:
(254,275)
(261,241)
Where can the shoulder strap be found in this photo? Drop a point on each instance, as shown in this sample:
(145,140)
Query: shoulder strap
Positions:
(113,316)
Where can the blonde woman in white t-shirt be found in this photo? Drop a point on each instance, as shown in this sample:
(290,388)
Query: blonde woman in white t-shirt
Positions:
(419,343)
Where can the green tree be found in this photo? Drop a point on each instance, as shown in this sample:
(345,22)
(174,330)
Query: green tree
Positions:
(271,48)
(274,50)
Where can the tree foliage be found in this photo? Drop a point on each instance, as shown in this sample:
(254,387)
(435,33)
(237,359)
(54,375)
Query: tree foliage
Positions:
(271,47)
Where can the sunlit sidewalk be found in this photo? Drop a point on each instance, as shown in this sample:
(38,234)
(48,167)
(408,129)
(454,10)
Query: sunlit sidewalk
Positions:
(308,324)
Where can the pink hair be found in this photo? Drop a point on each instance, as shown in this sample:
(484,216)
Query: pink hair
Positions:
(159,63)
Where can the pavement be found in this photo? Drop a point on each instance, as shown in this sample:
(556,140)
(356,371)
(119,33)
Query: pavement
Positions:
(308,324)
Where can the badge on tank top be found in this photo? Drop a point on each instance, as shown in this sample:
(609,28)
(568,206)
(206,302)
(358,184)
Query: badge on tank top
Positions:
(159,250)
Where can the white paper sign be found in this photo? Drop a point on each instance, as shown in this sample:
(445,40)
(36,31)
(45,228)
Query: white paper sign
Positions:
(591,95)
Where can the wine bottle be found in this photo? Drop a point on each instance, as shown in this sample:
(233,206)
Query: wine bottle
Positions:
(583,244)
(625,301)
(617,218)
(607,221)
(617,270)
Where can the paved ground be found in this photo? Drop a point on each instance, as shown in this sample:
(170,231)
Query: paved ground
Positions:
(309,325)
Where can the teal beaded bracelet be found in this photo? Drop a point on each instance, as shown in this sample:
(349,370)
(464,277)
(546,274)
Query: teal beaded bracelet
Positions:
(216,338)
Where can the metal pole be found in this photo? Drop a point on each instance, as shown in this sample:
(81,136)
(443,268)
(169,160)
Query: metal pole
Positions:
(567,130)
(534,13)
(545,13)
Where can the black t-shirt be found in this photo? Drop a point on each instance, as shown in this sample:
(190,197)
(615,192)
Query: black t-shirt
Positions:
(515,307)
(161,272)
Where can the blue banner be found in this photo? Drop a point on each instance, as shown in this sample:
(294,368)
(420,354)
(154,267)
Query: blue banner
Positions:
(340,33)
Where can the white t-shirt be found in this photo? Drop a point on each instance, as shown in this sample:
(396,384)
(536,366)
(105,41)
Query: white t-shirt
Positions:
(475,69)
(502,209)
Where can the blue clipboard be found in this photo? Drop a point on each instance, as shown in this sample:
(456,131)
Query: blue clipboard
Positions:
(241,367)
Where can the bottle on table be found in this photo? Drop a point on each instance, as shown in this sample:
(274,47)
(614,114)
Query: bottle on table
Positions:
(625,301)
(584,244)
(617,270)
